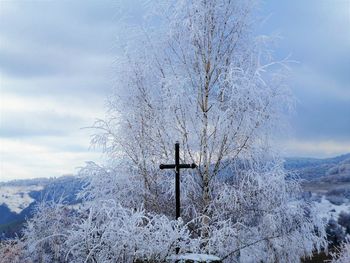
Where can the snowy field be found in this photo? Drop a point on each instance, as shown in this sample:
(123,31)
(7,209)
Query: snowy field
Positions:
(328,210)
(17,198)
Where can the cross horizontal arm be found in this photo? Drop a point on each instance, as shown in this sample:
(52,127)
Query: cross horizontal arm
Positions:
(181,166)
(166,166)
(192,166)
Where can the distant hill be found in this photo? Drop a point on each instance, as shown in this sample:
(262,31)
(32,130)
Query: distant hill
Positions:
(329,177)
(312,169)
(339,173)
(19,197)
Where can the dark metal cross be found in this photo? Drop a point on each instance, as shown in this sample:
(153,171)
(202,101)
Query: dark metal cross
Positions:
(177,166)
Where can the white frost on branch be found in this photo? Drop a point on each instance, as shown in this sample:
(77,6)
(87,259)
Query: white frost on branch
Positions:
(111,233)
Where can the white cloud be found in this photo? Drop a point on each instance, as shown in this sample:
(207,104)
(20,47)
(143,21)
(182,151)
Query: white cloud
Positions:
(317,148)
(66,105)
(44,157)
(55,68)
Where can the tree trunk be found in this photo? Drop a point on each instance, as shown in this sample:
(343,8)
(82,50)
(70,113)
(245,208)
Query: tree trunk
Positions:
(206,161)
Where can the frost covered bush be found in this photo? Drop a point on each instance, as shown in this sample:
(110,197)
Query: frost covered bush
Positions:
(111,233)
(46,232)
(343,253)
(335,233)
(244,226)
(248,227)
(344,221)
(12,251)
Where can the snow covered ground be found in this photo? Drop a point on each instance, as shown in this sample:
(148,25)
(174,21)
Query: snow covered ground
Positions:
(17,198)
(193,258)
(328,210)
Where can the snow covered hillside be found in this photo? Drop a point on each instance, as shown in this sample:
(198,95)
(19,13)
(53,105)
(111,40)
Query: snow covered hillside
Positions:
(330,210)
(17,198)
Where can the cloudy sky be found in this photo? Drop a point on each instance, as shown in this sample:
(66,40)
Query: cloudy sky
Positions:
(56,62)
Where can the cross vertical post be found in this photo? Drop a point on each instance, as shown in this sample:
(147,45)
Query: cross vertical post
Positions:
(177,179)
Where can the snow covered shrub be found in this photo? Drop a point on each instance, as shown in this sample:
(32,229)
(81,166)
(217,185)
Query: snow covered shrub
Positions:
(12,251)
(335,233)
(112,183)
(344,221)
(248,227)
(112,233)
(46,232)
(343,254)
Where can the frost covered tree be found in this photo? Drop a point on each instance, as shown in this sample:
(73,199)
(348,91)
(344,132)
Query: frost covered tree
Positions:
(196,73)
(201,78)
